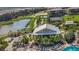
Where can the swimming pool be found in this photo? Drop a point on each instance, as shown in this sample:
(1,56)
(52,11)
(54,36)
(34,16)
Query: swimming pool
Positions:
(71,48)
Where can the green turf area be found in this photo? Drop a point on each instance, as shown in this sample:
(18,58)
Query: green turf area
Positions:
(71,18)
(74,18)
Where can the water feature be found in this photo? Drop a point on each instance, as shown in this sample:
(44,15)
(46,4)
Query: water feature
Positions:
(18,25)
(71,48)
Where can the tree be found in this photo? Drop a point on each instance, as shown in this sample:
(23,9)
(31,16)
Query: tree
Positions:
(69,36)
(56,38)
(25,39)
(45,40)
(78,41)
(3,45)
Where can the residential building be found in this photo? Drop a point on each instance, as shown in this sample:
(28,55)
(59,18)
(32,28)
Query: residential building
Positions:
(74,10)
(56,14)
(70,23)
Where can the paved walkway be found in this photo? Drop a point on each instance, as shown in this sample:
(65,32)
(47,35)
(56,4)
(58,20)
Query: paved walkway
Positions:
(77,38)
(9,48)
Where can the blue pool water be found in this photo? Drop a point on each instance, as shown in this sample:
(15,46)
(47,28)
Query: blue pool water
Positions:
(71,48)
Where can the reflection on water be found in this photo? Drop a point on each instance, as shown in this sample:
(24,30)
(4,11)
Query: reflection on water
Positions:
(14,27)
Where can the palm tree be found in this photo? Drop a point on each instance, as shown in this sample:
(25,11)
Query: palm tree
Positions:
(45,40)
(56,38)
(25,39)
(69,36)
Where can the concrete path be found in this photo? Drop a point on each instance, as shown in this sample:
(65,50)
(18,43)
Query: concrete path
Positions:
(77,38)
(9,48)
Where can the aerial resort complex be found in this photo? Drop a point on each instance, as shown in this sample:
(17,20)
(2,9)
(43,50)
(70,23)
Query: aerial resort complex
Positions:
(39,29)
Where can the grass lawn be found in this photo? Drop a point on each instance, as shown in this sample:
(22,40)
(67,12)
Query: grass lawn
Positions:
(30,26)
(74,18)
(71,18)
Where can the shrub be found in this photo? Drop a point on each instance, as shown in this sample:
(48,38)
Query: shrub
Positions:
(3,45)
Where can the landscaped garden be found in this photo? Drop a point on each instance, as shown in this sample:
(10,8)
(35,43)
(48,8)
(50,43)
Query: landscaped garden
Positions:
(74,18)
(3,43)
(48,39)
(71,18)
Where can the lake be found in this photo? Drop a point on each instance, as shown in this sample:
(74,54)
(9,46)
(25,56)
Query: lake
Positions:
(18,25)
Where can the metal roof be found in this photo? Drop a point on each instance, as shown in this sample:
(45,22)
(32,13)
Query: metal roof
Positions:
(47,26)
